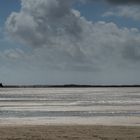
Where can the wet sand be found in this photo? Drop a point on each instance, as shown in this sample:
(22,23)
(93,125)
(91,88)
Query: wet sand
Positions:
(67,132)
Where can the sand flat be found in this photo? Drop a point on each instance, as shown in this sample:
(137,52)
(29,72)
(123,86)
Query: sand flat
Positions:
(69,132)
(70,114)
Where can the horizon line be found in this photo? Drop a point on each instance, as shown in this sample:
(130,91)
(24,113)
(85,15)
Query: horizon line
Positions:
(68,85)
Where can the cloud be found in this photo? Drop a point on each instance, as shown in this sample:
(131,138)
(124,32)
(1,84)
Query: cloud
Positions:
(132,12)
(117,2)
(42,20)
(13,53)
(62,39)
(124,1)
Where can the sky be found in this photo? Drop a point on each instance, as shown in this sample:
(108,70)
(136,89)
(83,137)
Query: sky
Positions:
(70,42)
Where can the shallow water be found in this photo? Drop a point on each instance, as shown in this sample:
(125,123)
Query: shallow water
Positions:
(68,104)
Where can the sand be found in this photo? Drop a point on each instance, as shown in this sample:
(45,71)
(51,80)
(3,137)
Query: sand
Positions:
(73,132)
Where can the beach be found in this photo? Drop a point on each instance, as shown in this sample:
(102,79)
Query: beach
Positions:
(70,114)
(69,132)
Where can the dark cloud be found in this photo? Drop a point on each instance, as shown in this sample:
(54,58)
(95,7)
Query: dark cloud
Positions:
(124,1)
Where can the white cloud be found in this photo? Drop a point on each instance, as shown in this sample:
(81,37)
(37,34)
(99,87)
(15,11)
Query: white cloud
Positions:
(62,39)
(131,11)
(13,53)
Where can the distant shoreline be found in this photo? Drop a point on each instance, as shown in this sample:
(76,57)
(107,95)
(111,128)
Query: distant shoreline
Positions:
(68,86)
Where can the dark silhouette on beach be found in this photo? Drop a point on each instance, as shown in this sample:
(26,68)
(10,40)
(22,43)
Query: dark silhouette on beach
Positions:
(1,85)
(67,86)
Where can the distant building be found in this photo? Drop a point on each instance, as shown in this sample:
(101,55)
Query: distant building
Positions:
(1,85)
